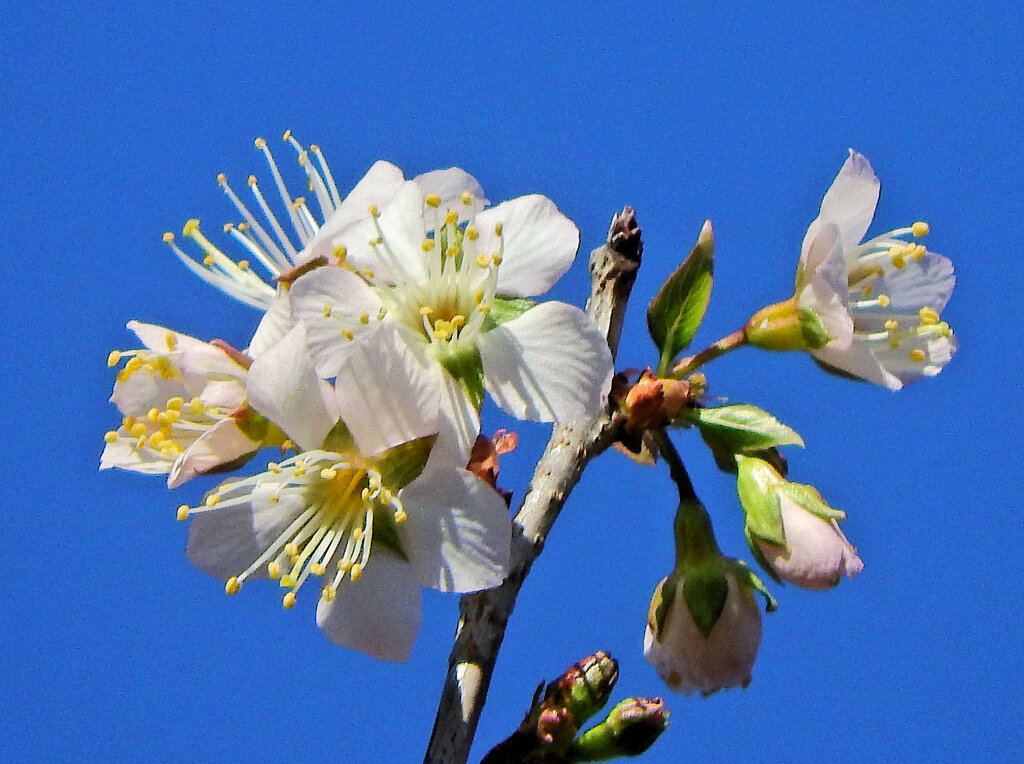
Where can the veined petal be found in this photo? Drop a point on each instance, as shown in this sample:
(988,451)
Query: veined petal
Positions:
(851,200)
(315,296)
(458,424)
(221,444)
(379,615)
(449,185)
(223,542)
(122,454)
(387,390)
(549,364)
(822,285)
(284,387)
(458,533)
(539,245)
(276,323)
(858,361)
(928,281)
(400,259)
(900,362)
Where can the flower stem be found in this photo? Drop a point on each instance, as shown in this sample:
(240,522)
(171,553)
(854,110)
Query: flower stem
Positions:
(725,345)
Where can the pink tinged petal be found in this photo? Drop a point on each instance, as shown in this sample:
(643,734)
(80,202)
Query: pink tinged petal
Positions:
(376,187)
(458,533)
(343,295)
(123,455)
(851,200)
(388,391)
(449,185)
(221,444)
(540,244)
(550,364)
(276,323)
(284,387)
(380,614)
(816,554)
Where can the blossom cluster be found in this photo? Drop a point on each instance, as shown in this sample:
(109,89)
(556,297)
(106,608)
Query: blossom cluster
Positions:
(388,314)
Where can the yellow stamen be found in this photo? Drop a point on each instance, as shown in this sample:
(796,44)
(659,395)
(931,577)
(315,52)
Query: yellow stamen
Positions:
(428,245)
(928,316)
(374,211)
(110,436)
(916,355)
(183,513)
(883,300)
(483,261)
(274,570)
(114,358)
(340,251)
(232,585)
(168,237)
(433,200)
(921,228)
(467,198)
(288,601)
(499,228)
(451,218)
(327,311)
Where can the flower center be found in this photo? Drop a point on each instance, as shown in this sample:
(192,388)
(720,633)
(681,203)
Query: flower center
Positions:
(336,504)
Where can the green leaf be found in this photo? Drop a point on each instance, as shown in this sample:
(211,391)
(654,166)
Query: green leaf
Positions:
(402,464)
(705,597)
(757,484)
(807,496)
(742,428)
(678,308)
(506,308)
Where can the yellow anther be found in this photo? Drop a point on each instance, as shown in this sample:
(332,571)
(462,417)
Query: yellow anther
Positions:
(288,443)
(243,265)
(314,147)
(451,252)
(921,228)
(300,467)
(243,226)
(883,301)
(381,313)
(928,316)
(347,334)
(327,473)
(274,497)
(357,533)
(260,143)
(899,261)
(478,296)
(137,430)
(472,233)
(128,422)
(367,272)
(428,245)
(328,308)
(287,135)
(340,251)
(251,180)
(152,414)
(919,251)
(175,403)
(232,585)
(208,260)
(222,179)
(291,549)
(114,358)
(945,331)
(287,581)
(288,601)
(917,355)
(374,210)
(344,564)
(213,500)
(274,570)
(191,226)
(110,436)
(364,318)
(274,467)
(484,307)
(196,406)
(357,572)
(499,229)
(401,516)
(183,513)
(171,340)
(328,593)
(866,291)
(426,310)
(466,197)
(483,261)
(496,258)
(134,364)
(317,569)
(156,438)
(168,237)
(451,218)
(432,200)
(892,325)
(458,320)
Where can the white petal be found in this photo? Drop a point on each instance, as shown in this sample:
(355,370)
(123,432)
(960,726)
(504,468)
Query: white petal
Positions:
(123,455)
(851,200)
(458,424)
(401,258)
(222,542)
(376,187)
(449,185)
(540,244)
(549,364)
(388,390)
(379,614)
(141,391)
(927,282)
(823,286)
(284,387)
(458,533)
(347,296)
(276,323)
(221,444)
(938,351)
(857,360)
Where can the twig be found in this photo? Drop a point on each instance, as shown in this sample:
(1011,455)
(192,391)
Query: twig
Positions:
(484,615)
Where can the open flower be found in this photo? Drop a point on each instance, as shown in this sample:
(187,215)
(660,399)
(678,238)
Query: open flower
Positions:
(871,309)
(181,401)
(793,533)
(702,653)
(438,269)
(355,507)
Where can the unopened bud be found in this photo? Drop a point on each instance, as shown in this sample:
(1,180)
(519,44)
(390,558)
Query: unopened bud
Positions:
(652,402)
(629,730)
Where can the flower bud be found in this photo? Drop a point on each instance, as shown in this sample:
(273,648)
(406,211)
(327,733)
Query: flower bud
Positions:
(629,729)
(791,530)
(704,630)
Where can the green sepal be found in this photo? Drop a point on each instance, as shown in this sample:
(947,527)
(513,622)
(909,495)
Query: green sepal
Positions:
(742,428)
(665,597)
(815,334)
(678,308)
(385,533)
(254,426)
(755,549)
(705,593)
(402,464)
(468,370)
(340,440)
(807,496)
(505,309)
(745,575)
(757,484)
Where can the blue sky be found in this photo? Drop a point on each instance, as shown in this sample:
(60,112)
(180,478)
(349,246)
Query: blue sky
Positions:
(116,120)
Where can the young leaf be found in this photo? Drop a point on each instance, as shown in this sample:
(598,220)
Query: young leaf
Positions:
(677,310)
(743,428)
